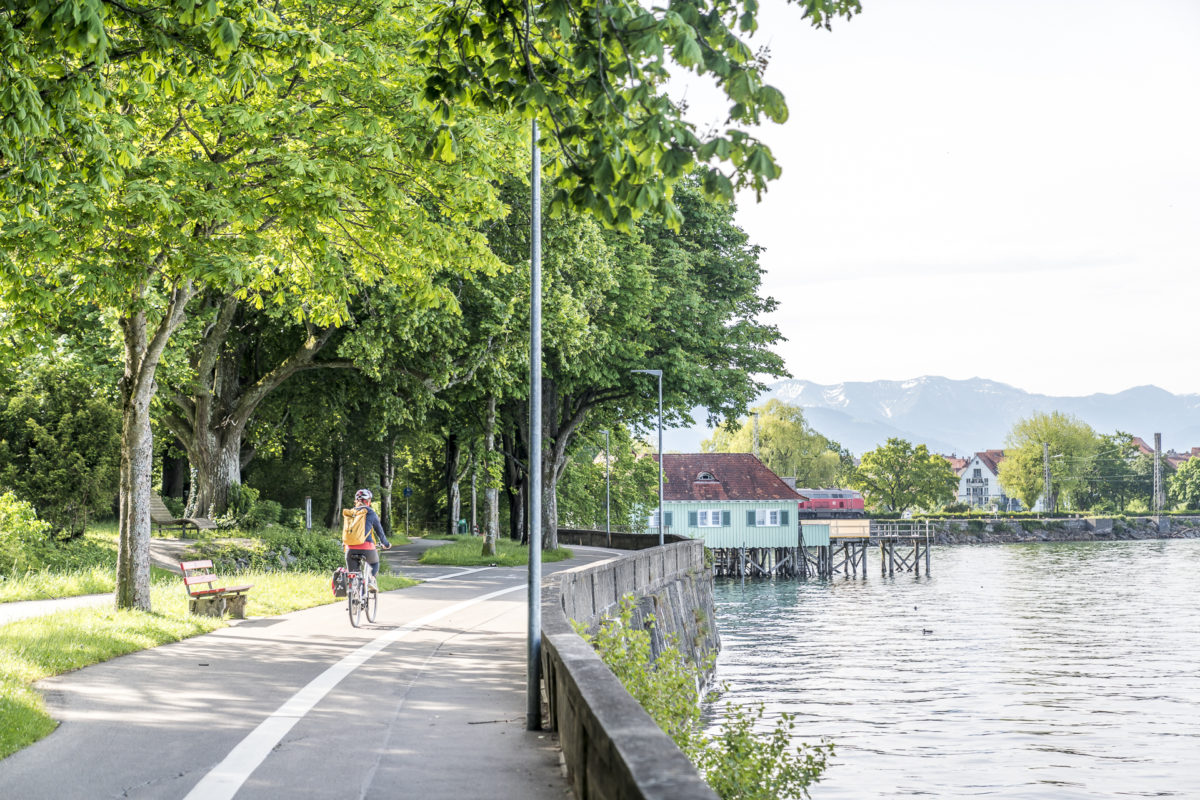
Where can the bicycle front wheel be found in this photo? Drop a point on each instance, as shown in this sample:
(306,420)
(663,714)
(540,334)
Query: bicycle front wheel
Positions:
(372,603)
(354,599)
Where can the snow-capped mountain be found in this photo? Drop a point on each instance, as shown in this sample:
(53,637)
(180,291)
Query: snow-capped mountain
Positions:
(964,416)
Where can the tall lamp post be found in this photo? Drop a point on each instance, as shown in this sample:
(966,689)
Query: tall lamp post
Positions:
(607,515)
(661,520)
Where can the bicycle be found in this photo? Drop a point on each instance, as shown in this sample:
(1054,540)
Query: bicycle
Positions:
(360,595)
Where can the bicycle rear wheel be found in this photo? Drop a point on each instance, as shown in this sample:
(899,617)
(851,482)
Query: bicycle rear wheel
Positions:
(372,603)
(354,598)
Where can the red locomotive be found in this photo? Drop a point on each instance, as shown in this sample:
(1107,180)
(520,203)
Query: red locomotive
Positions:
(830,503)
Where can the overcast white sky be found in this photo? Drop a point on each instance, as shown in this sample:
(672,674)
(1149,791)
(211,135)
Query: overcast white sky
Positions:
(1007,189)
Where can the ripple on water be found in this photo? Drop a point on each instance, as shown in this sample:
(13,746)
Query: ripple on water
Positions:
(1024,671)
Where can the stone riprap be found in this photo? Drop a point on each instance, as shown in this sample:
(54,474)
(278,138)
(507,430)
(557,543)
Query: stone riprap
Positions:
(612,748)
(1082,529)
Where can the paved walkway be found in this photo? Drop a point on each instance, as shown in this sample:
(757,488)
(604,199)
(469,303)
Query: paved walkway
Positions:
(427,703)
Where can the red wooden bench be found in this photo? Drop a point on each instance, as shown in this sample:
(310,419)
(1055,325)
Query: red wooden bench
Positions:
(215,599)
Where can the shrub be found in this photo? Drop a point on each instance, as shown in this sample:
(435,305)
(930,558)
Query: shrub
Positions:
(292,518)
(277,550)
(22,535)
(174,505)
(738,763)
(262,514)
(60,447)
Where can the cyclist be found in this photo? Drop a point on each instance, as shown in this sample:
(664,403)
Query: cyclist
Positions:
(374,529)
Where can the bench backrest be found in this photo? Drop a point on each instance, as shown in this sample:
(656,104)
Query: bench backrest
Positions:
(159,513)
(203,567)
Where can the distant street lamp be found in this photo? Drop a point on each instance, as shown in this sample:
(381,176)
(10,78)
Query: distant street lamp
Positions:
(658,372)
(607,515)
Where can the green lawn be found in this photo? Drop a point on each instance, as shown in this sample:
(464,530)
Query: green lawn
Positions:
(465,551)
(39,647)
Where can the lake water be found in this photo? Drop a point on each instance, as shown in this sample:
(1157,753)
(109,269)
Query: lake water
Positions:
(1053,671)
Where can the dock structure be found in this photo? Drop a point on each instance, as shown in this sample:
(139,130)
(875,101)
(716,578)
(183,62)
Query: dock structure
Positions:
(828,548)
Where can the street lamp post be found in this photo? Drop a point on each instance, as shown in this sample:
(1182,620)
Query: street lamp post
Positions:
(661,520)
(607,514)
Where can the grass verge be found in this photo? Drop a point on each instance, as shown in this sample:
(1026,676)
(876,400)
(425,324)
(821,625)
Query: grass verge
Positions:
(464,551)
(40,647)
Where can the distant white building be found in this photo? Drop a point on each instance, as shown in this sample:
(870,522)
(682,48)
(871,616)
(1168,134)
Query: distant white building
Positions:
(979,483)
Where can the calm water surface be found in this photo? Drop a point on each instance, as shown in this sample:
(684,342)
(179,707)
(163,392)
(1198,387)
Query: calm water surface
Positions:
(1054,671)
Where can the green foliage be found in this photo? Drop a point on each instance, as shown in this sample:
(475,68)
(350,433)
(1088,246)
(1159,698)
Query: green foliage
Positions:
(262,514)
(667,687)
(1072,448)
(633,484)
(897,476)
(23,537)
(277,549)
(1184,485)
(594,73)
(786,444)
(742,763)
(738,762)
(60,445)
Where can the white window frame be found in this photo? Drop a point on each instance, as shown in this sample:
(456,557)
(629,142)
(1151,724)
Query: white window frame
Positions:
(766,518)
(708,519)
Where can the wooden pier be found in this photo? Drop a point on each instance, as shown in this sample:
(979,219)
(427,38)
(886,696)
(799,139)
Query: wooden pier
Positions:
(825,551)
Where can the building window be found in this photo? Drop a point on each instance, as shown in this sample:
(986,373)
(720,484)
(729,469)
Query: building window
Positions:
(763,518)
(654,520)
(978,473)
(705,476)
(710,519)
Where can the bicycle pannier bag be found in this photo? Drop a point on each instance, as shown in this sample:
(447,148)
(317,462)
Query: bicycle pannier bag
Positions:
(354,526)
(338,582)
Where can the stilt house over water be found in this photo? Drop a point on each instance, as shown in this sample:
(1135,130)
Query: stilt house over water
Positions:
(728,500)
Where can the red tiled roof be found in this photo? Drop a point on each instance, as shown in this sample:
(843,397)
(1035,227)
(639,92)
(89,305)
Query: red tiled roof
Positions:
(957,464)
(736,476)
(1142,447)
(991,459)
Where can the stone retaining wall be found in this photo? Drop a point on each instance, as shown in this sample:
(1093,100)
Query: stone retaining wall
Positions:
(612,748)
(1082,529)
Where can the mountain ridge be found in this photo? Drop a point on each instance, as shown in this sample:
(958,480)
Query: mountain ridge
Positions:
(964,415)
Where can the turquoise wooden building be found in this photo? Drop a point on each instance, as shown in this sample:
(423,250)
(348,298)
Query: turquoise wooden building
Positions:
(729,500)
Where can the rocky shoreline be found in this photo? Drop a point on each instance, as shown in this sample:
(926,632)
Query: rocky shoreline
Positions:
(954,532)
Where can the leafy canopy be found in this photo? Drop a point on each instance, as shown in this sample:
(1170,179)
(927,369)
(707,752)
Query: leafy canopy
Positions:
(897,476)
(594,73)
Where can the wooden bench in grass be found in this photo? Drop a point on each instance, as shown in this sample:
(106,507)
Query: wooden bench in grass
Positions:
(161,516)
(216,599)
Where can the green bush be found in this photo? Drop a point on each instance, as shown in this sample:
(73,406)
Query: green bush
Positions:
(292,518)
(174,505)
(262,514)
(276,550)
(738,762)
(22,535)
(976,526)
(60,447)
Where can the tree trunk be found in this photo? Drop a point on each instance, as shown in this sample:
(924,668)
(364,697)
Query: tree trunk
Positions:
(338,489)
(491,494)
(142,355)
(218,460)
(137,452)
(211,416)
(453,499)
(387,477)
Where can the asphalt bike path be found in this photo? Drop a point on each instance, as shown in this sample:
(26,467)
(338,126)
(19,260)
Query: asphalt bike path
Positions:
(428,702)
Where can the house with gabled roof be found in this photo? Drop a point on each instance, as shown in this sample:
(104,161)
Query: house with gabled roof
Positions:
(728,500)
(979,482)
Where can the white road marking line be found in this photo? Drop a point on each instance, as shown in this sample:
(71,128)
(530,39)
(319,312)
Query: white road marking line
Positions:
(223,781)
(454,575)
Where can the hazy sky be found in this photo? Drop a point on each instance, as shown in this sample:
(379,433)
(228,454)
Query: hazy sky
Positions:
(1007,189)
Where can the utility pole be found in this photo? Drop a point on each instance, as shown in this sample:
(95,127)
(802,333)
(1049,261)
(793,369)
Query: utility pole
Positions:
(1158,492)
(754,447)
(1046,476)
